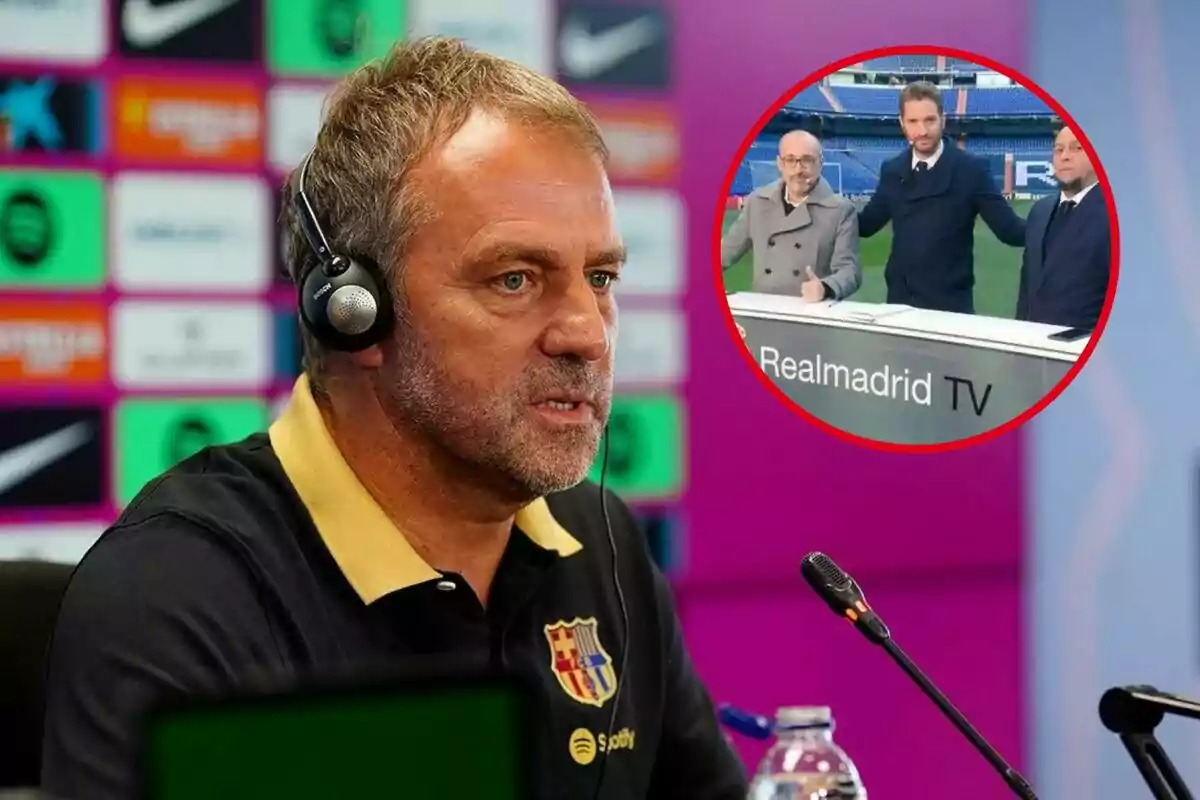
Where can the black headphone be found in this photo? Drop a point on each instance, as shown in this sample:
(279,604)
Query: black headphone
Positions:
(344,300)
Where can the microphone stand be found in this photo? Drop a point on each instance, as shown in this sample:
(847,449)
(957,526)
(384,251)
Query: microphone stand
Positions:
(1013,778)
(1133,715)
(845,598)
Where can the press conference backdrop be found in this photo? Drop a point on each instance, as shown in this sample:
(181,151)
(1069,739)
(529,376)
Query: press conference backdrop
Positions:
(139,246)
(145,312)
(937,541)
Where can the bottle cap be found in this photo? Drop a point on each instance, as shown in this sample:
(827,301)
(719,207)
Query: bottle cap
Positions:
(801,717)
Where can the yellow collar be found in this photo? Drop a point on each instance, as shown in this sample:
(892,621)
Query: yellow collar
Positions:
(373,555)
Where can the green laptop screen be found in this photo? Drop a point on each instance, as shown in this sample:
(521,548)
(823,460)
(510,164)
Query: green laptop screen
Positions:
(449,741)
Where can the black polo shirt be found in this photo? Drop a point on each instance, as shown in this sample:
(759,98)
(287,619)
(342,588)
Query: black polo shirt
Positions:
(267,559)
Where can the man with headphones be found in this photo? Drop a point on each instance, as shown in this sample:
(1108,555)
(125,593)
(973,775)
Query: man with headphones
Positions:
(453,242)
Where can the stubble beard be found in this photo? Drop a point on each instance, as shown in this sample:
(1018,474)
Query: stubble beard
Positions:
(1070,187)
(493,435)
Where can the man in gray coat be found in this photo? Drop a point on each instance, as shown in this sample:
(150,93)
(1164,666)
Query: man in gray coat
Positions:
(804,237)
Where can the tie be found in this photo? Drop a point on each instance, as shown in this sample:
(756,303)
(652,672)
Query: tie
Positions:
(1058,220)
(921,167)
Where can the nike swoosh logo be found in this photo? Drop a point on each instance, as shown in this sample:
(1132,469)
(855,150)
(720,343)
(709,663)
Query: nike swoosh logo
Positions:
(24,461)
(149,26)
(586,54)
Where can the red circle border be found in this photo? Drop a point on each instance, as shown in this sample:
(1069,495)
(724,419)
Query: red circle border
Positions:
(1114,235)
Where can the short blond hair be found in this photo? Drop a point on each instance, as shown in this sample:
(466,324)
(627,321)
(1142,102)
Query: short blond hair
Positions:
(381,121)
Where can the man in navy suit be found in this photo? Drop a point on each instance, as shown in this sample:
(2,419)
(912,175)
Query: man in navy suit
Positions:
(932,193)
(1065,271)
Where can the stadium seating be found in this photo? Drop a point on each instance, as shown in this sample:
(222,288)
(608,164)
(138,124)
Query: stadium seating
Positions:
(867,100)
(915,63)
(882,100)
(1005,100)
(958,65)
(902,63)
(1009,144)
(810,99)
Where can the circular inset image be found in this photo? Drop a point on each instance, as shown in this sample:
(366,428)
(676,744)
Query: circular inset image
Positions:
(918,248)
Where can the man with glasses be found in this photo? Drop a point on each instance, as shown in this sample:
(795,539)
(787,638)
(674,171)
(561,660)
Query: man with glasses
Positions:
(804,237)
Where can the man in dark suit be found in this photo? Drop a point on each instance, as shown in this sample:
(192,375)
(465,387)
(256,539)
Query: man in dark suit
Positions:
(1068,256)
(932,193)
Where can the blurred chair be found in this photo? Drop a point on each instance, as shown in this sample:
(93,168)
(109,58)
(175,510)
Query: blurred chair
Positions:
(30,592)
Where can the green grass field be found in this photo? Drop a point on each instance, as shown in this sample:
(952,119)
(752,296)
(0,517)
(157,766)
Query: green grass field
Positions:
(997,268)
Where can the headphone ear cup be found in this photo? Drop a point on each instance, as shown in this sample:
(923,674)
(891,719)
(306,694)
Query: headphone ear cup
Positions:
(345,306)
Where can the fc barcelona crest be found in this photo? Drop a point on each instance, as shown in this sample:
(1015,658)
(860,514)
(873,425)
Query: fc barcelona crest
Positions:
(583,668)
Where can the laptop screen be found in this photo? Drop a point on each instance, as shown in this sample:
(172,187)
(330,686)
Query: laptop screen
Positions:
(424,739)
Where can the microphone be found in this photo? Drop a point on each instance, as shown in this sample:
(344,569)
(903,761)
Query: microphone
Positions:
(1133,712)
(842,594)
(1139,709)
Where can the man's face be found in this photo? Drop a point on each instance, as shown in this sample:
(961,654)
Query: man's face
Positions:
(799,163)
(503,358)
(922,125)
(1072,167)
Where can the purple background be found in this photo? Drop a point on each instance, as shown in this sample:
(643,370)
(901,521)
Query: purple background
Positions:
(936,540)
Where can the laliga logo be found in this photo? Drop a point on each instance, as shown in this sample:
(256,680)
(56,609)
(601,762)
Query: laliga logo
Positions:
(1028,171)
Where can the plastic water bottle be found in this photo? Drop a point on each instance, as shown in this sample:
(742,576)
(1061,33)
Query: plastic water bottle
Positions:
(804,763)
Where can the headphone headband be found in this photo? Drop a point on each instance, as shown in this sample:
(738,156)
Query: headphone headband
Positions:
(308,217)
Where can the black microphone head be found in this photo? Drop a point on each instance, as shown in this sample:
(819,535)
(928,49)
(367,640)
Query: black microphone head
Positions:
(820,567)
(830,582)
(1122,711)
(841,593)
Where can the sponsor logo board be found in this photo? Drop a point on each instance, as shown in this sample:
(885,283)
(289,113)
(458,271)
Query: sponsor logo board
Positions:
(651,223)
(51,229)
(645,447)
(331,37)
(191,233)
(642,138)
(189,345)
(49,114)
(514,29)
(51,457)
(57,343)
(295,114)
(154,435)
(614,46)
(213,122)
(651,348)
(188,30)
(70,32)
(58,543)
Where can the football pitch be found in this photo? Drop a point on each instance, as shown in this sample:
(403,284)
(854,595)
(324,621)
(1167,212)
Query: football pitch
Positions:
(997,268)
